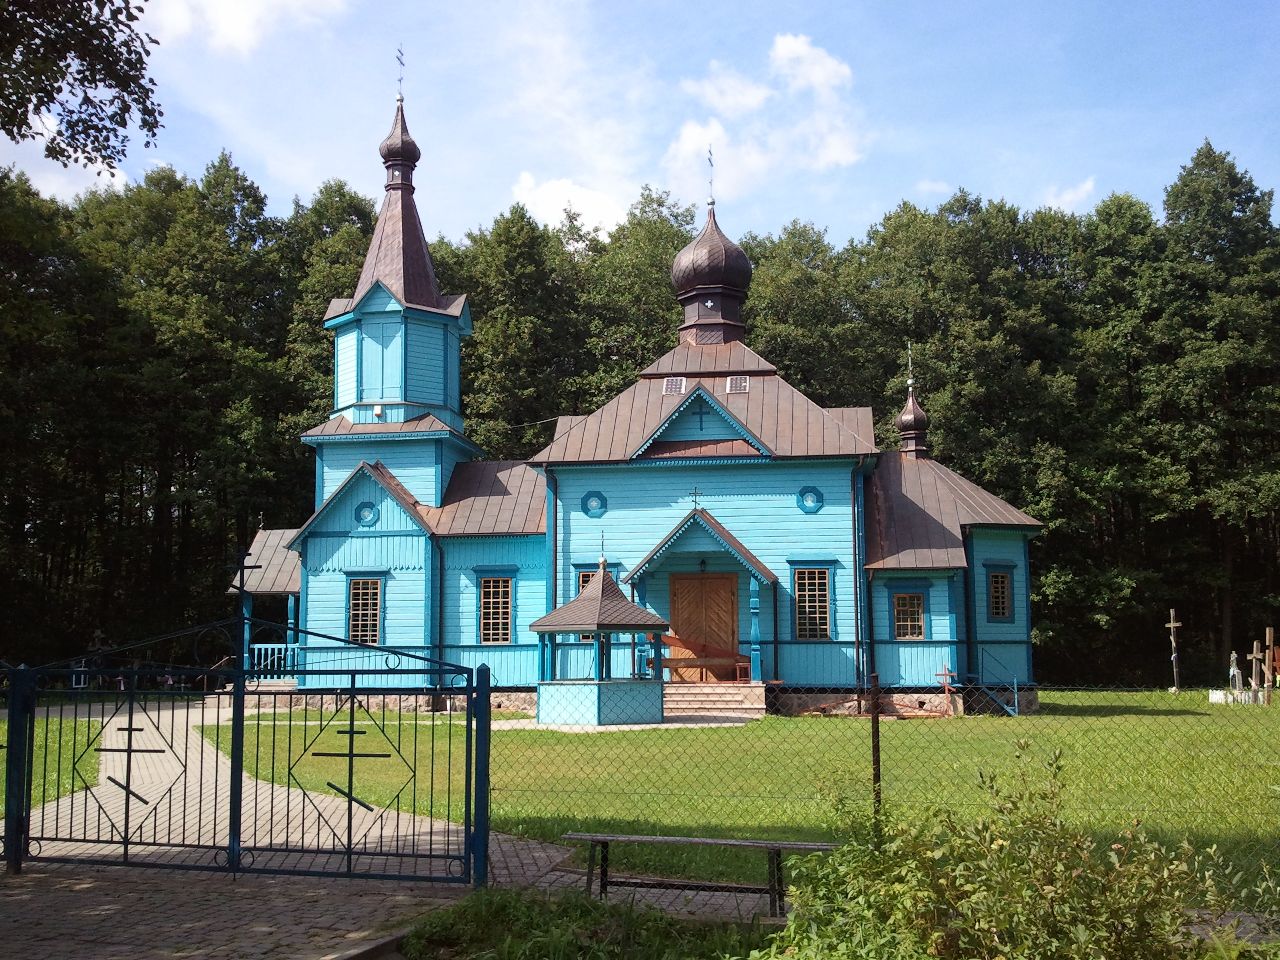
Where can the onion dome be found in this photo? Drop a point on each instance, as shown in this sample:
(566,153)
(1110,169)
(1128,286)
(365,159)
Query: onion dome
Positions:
(399,146)
(711,276)
(913,424)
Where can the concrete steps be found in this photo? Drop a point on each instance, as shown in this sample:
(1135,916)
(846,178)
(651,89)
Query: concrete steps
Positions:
(713,699)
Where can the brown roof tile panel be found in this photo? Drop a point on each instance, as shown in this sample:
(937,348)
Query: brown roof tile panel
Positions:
(342,426)
(917,511)
(488,498)
(279,569)
(689,359)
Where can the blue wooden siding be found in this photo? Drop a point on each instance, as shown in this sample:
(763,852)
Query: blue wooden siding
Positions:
(344,370)
(1004,663)
(381,359)
(917,663)
(425,348)
(699,421)
(1000,551)
(412,461)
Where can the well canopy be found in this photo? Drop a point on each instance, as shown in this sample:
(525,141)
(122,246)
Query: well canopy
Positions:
(601,607)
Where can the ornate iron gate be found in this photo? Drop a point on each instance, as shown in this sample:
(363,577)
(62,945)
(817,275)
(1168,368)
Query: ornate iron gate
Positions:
(365,762)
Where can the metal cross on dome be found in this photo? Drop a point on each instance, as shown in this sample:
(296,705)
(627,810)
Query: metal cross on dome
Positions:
(400,60)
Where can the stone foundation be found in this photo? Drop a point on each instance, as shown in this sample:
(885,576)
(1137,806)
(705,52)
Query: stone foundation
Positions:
(894,704)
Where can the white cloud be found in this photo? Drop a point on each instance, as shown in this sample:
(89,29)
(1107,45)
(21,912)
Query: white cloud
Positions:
(726,91)
(932,186)
(547,200)
(806,67)
(807,125)
(236,26)
(1069,198)
(52,179)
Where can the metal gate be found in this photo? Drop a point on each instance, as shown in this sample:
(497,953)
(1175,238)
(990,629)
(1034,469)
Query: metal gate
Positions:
(356,760)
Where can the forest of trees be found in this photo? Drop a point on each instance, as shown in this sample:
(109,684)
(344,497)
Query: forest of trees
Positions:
(1115,374)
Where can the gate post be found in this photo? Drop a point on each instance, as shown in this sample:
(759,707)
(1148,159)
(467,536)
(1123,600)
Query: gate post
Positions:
(236,812)
(17,761)
(480,836)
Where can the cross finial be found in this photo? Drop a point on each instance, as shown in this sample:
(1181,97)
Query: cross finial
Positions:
(695,493)
(400,81)
(911,376)
(711,177)
(603,561)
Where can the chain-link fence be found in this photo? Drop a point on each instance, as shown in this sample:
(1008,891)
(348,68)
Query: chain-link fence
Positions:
(738,760)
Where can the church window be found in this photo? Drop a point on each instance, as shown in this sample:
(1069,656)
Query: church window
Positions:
(813,603)
(999,595)
(495,609)
(673,387)
(364,610)
(737,384)
(908,616)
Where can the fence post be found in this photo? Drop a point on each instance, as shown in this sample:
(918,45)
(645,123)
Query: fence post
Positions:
(875,751)
(17,761)
(480,835)
(235,813)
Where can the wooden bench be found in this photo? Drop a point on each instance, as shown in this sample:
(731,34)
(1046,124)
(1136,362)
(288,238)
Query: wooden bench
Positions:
(772,849)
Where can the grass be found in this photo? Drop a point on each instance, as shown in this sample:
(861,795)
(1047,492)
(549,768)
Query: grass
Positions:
(509,925)
(1210,774)
(54,769)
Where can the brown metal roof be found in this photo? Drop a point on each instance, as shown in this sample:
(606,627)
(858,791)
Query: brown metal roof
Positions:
(917,510)
(676,449)
(692,359)
(781,418)
(279,568)
(489,497)
(858,420)
(565,423)
(701,517)
(601,607)
(342,427)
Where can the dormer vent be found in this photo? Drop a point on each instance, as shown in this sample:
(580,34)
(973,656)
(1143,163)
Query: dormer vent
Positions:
(673,387)
(737,384)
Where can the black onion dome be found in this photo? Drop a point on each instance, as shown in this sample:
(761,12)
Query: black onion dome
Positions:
(711,260)
(912,419)
(399,145)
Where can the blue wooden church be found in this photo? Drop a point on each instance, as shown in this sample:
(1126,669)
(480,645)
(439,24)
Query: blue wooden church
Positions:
(752,539)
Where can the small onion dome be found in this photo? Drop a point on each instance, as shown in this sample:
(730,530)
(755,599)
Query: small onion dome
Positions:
(913,424)
(712,260)
(399,145)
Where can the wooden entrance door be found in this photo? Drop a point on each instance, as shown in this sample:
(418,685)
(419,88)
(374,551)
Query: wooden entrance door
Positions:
(704,619)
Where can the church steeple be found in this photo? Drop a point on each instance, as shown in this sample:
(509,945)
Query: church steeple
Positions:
(711,276)
(398,256)
(913,424)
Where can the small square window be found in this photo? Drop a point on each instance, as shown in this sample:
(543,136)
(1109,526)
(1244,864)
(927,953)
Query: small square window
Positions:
(908,616)
(673,387)
(495,609)
(813,604)
(999,596)
(737,384)
(364,610)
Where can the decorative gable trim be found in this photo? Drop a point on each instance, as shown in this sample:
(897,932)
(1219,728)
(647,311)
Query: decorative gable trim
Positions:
(380,475)
(701,392)
(718,532)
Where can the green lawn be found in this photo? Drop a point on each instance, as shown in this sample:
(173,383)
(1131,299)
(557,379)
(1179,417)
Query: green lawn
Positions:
(57,745)
(1210,774)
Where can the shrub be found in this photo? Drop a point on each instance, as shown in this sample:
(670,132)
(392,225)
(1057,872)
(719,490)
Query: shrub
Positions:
(1016,883)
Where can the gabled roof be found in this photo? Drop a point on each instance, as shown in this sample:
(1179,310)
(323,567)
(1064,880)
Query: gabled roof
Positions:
(380,475)
(279,569)
(699,517)
(343,427)
(601,607)
(780,417)
(700,393)
(917,510)
(486,497)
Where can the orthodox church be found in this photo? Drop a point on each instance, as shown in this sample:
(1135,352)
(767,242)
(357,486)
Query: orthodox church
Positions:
(768,540)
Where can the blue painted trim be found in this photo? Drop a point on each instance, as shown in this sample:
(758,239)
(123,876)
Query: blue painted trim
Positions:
(356,534)
(359,385)
(830,567)
(815,559)
(922,587)
(597,465)
(754,601)
(809,500)
(600,509)
(734,422)
(679,532)
(1001,564)
(366,437)
(319,478)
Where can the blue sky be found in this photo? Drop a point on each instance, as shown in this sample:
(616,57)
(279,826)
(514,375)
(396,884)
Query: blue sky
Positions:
(826,112)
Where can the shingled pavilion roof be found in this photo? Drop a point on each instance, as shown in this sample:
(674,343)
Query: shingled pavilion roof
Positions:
(601,607)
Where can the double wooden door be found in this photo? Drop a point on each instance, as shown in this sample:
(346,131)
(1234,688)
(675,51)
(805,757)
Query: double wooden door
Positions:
(704,618)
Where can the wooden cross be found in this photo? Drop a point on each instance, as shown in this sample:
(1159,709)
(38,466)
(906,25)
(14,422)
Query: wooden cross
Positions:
(946,676)
(1255,674)
(695,493)
(1173,626)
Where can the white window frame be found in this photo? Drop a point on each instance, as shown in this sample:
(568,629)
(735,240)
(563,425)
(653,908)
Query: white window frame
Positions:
(673,386)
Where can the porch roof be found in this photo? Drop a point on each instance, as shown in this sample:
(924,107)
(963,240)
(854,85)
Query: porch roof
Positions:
(278,570)
(699,517)
(601,607)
